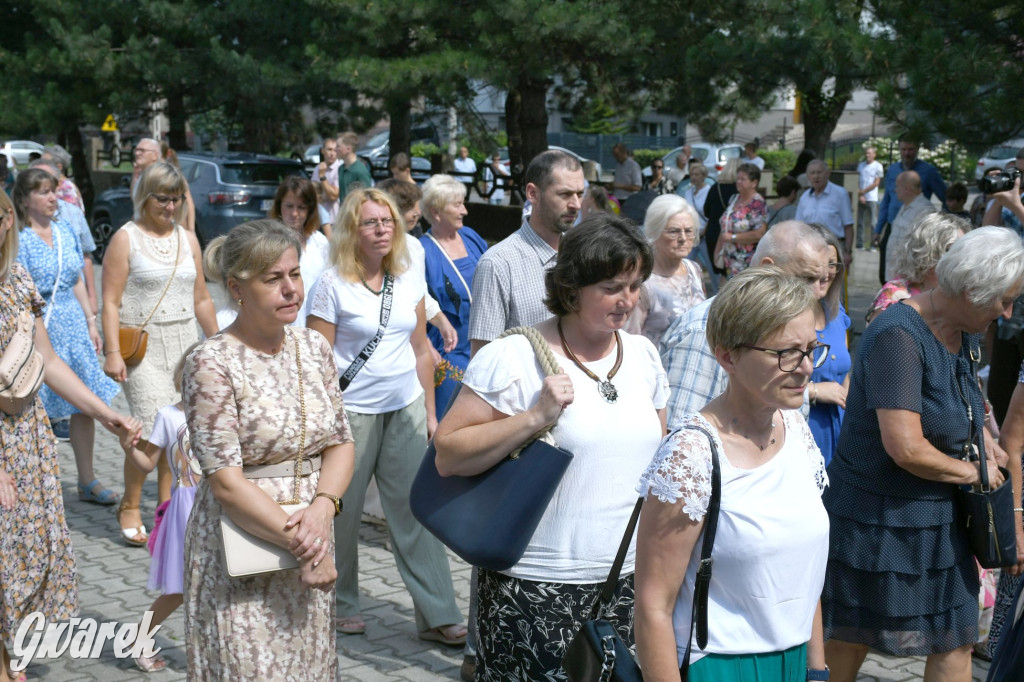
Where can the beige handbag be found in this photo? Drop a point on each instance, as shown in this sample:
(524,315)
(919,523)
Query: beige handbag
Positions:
(244,553)
(21,368)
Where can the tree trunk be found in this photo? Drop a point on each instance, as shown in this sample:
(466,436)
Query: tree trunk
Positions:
(533,117)
(514,132)
(176,137)
(820,114)
(71,139)
(400,113)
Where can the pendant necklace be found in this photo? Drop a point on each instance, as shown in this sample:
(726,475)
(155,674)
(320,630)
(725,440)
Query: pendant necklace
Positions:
(762,448)
(606,388)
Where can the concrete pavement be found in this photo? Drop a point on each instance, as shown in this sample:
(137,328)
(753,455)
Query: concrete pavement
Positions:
(112,579)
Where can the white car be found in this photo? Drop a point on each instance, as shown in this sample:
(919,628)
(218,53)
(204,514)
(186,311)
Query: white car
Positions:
(17,151)
(1001,157)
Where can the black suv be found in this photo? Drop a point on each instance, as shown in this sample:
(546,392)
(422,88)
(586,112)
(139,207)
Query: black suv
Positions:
(228,189)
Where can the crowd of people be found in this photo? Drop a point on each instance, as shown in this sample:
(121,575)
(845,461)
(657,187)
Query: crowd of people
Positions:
(703,362)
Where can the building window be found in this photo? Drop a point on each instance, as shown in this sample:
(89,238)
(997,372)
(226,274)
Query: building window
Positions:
(652,129)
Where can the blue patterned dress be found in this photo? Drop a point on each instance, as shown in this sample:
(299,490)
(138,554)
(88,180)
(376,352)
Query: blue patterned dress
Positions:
(66,325)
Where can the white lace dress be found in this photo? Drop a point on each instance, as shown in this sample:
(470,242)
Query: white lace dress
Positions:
(771,546)
(173,327)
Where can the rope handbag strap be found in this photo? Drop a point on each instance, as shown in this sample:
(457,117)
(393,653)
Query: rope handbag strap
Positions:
(56,280)
(174,271)
(548,363)
(387,296)
(469,290)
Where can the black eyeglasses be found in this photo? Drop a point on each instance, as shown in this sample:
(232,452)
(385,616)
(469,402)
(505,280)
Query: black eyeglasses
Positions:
(790,359)
(657,166)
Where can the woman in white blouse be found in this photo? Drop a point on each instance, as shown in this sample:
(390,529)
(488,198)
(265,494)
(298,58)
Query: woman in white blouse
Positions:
(609,405)
(295,205)
(676,282)
(764,618)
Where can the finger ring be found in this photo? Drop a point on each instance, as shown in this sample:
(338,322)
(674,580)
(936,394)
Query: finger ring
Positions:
(565,389)
(318,541)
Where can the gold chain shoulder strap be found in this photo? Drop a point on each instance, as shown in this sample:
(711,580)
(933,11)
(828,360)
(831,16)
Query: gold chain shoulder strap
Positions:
(297,498)
(177,257)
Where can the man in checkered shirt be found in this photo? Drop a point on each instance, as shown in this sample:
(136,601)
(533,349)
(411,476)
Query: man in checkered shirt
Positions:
(508,287)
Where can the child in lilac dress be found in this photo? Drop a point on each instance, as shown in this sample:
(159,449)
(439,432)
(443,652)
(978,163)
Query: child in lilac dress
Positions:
(169,439)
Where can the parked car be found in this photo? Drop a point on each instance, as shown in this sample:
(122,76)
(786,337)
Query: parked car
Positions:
(507,163)
(1002,157)
(310,157)
(714,156)
(17,151)
(228,189)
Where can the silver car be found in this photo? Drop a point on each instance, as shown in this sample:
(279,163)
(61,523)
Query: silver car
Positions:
(1001,157)
(714,156)
(17,151)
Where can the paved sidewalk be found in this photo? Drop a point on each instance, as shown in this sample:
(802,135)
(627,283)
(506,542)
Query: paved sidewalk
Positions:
(112,579)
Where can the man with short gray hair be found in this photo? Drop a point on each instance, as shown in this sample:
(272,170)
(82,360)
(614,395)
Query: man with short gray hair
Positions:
(694,375)
(828,204)
(913,206)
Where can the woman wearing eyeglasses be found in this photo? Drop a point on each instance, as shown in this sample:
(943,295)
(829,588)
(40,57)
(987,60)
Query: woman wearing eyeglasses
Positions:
(369,305)
(150,281)
(772,541)
(676,282)
(831,381)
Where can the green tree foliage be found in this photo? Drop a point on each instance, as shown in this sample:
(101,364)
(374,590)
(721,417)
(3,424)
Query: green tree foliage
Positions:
(954,68)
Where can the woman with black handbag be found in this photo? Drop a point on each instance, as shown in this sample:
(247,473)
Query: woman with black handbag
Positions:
(901,575)
(761,611)
(607,403)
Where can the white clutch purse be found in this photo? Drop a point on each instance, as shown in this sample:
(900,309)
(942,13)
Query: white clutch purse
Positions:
(245,554)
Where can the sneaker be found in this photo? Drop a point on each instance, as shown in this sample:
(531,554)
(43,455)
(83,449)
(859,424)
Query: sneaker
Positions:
(62,429)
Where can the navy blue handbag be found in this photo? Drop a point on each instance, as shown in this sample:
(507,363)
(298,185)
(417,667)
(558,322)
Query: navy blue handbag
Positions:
(488,519)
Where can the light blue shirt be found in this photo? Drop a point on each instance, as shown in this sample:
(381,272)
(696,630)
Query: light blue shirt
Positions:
(831,208)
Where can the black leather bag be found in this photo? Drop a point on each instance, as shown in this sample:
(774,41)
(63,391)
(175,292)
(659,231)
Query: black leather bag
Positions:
(597,653)
(987,513)
(488,519)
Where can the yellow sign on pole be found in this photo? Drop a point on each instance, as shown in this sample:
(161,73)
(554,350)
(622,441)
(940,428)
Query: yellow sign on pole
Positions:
(110,125)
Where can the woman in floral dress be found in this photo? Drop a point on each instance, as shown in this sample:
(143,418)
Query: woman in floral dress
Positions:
(49,249)
(744,222)
(264,393)
(37,564)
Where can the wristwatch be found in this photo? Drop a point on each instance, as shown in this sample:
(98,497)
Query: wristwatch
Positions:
(813,674)
(732,237)
(337,503)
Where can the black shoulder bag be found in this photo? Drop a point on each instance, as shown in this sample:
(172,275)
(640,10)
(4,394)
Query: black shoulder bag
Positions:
(388,294)
(986,512)
(597,653)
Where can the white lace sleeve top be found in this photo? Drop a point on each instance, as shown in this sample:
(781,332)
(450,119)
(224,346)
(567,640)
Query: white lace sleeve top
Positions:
(771,546)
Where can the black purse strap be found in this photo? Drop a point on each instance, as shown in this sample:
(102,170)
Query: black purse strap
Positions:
(965,398)
(699,614)
(388,292)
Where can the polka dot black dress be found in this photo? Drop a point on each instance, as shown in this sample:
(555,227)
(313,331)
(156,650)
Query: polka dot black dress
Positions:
(901,577)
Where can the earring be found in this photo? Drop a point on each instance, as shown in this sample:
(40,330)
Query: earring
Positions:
(239,301)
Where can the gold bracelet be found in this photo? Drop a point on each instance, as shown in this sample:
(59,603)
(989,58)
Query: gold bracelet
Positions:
(111,352)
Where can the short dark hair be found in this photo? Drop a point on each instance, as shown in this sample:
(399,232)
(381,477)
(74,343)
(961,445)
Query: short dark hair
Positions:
(543,165)
(601,247)
(399,162)
(957,191)
(751,170)
(406,194)
(787,185)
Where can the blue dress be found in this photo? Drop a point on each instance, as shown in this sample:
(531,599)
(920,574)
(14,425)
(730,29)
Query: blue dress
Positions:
(825,419)
(901,577)
(66,324)
(445,286)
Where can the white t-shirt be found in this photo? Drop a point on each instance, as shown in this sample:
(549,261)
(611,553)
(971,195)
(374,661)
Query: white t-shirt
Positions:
(419,265)
(466,165)
(771,545)
(579,533)
(869,172)
(170,433)
(757,161)
(388,380)
(315,259)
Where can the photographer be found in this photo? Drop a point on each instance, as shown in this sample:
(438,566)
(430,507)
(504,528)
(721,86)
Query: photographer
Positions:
(1007,210)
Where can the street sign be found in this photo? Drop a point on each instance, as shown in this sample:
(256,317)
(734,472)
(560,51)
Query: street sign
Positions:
(110,125)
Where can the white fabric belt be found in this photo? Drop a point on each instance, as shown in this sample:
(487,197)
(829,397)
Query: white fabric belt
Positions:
(282,470)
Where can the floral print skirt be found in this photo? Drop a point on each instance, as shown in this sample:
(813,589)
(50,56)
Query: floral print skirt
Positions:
(525,626)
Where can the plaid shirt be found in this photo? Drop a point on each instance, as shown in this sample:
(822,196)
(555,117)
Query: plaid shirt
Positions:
(508,286)
(694,375)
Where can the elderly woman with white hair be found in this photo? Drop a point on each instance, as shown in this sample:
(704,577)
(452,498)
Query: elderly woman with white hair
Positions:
(66,189)
(916,258)
(901,577)
(676,283)
(451,252)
